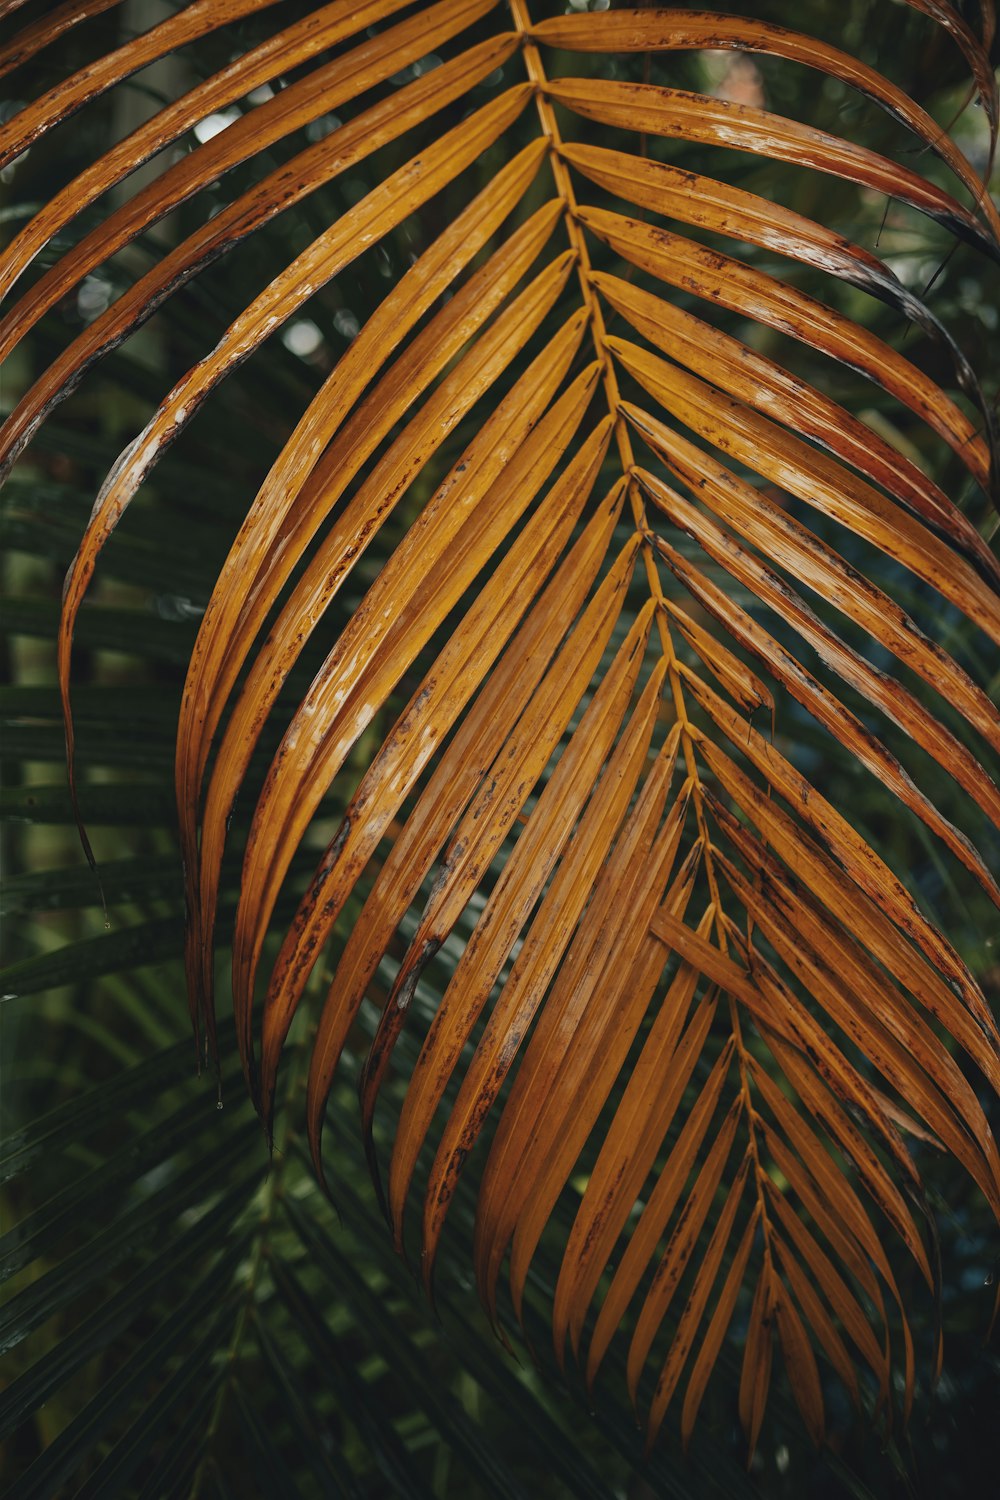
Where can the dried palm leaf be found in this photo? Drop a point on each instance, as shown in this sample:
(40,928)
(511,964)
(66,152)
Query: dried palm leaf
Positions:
(674,974)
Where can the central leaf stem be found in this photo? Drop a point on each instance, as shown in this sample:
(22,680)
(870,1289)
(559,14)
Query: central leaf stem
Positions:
(577,237)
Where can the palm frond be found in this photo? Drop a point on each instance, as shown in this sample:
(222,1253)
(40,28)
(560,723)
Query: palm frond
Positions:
(667,993)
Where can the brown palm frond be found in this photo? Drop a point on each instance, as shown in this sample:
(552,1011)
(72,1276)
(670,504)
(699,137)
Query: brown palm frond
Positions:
(685,994)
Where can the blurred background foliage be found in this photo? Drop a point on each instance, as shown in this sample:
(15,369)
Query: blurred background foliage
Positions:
(180,1316)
